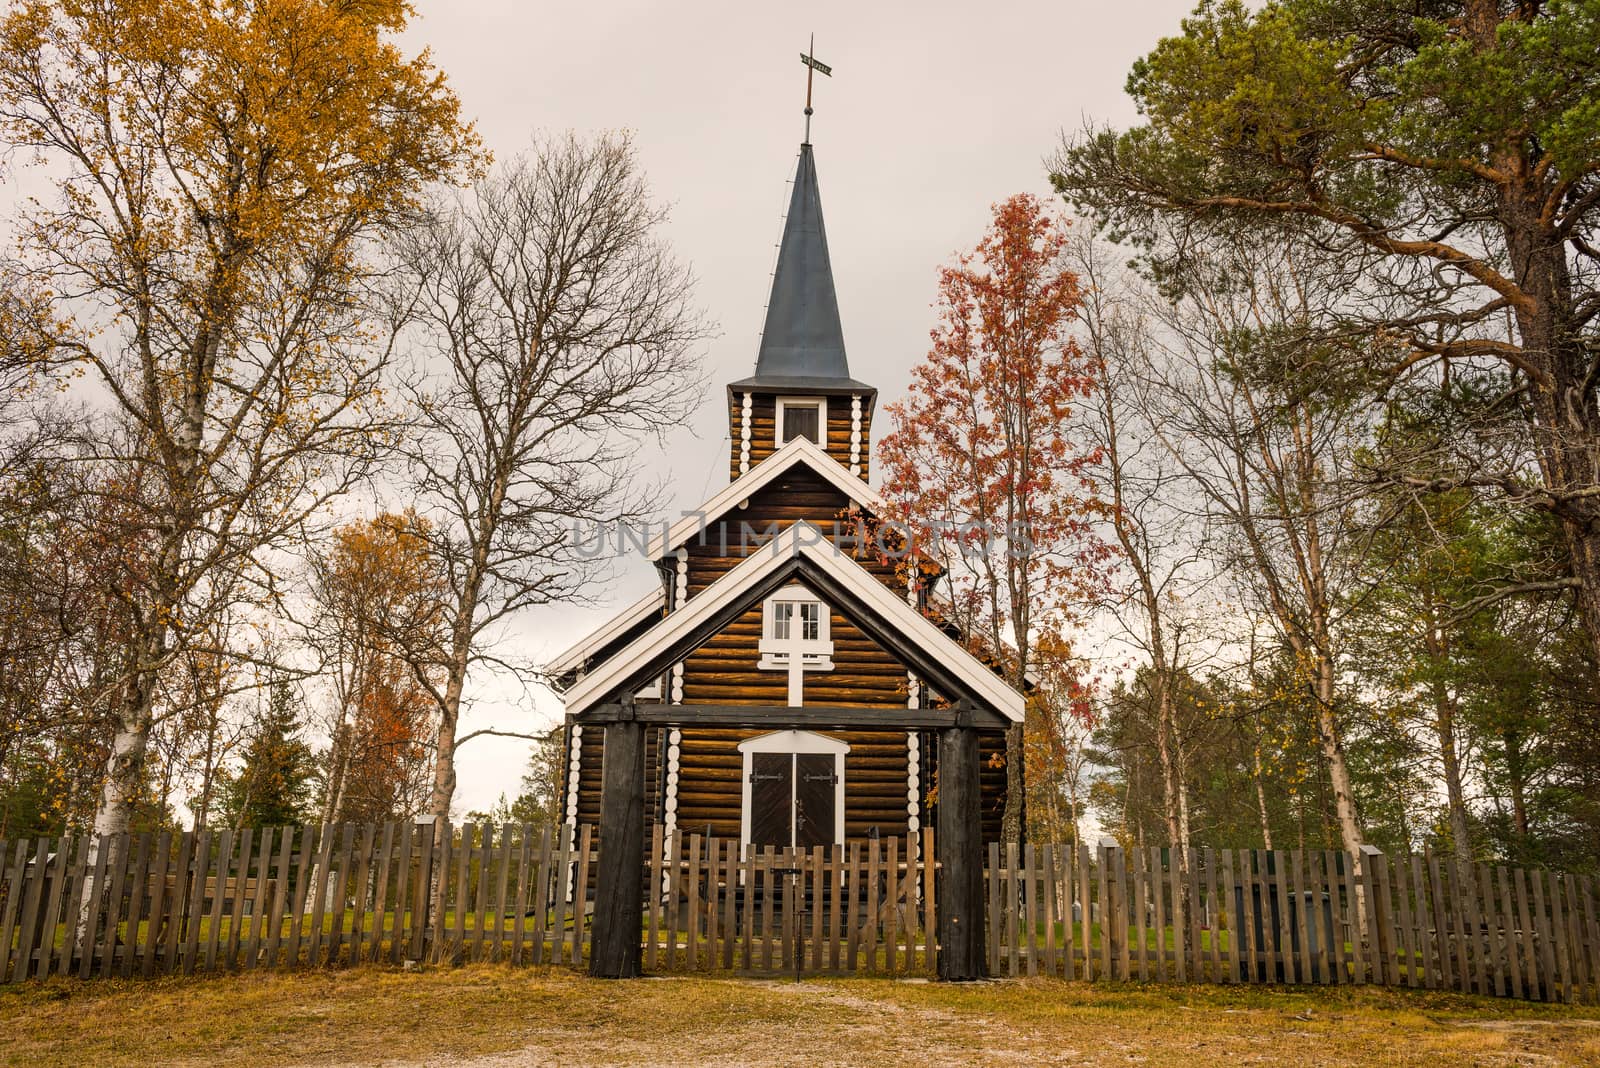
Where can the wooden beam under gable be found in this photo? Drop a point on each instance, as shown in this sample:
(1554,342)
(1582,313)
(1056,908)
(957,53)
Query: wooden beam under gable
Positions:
(808,717)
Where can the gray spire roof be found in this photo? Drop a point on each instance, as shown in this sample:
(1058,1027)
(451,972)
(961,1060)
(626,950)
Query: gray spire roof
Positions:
(802,344)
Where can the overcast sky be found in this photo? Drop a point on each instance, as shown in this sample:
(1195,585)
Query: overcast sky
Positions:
(934,112)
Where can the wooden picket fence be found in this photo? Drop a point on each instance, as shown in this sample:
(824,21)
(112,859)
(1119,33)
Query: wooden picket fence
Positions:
(867,906)
(169,903)
(1292,916)
(163,904)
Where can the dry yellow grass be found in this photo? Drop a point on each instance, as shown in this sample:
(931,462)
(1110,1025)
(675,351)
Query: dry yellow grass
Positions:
(490,1016)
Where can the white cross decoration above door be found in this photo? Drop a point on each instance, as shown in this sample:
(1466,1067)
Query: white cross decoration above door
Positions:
(795,637)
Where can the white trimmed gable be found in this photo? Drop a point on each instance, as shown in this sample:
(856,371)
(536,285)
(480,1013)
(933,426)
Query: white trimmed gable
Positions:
(652,604)
(807,540)
(795,451)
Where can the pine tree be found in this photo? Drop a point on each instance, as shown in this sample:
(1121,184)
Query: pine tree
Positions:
(272,787)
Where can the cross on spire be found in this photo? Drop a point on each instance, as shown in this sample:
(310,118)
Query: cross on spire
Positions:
(812,66)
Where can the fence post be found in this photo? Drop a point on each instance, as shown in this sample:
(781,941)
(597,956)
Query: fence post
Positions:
(422,893)
(619,902)
(1114,915)
(1380,954)
(959,843)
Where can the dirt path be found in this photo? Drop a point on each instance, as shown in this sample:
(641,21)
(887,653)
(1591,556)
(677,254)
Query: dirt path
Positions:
(851,1026)
(488,1016)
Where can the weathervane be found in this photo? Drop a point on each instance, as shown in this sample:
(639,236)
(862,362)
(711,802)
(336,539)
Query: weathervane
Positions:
(812,65)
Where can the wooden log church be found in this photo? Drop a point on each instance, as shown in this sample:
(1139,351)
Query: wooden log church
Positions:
(790,682)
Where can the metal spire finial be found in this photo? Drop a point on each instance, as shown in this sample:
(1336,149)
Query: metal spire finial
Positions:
(812,65)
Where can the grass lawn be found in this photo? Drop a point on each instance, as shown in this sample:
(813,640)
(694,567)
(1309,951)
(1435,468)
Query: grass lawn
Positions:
(487,1016)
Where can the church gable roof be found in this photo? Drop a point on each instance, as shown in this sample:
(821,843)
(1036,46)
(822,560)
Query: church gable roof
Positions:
(795,451)
(628,623)
(801,553)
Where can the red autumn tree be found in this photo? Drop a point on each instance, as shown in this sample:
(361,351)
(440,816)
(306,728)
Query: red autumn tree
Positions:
(981,462)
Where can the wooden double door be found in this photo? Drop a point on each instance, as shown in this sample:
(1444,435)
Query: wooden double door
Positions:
(794,799)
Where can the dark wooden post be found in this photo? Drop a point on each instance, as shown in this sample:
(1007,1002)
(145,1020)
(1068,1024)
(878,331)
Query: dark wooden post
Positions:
(959,845)
(618,904)
(1376,903)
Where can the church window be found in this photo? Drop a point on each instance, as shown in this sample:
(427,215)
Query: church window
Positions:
(795,638)
(802,417)
(810,621)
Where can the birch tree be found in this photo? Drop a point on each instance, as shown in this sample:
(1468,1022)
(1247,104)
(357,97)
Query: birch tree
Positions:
(1151,513)
(1266,423)
(214,170)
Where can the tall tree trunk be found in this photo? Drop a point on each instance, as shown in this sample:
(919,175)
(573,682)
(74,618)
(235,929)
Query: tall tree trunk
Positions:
(1517,782)
(1170,785)
(1436,643)
(1260,778)
(1318,600)
(182,473)
(483,532)
(1257,766)
(1174,785)
(124,771)
(124,780)
(1183,793)
(208,771)
(1053,804)
(338,774)
(1072,814)
(1450,757)
(444,754)
(133,718)
(1130,782)
(1565,414)
(333,804)
(1011,818)
(1344,798)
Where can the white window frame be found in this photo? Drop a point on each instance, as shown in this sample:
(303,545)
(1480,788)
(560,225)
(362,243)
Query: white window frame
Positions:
(819,403)
(795,654)
(793,742)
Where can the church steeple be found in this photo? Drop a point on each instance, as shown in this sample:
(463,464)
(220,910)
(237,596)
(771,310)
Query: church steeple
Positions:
(803,337)
(802,385)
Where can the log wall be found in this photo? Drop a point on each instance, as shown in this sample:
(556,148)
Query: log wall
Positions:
(801,494)
(763,430)
(711,786)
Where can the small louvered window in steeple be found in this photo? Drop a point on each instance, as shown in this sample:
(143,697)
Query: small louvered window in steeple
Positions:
(801,418)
